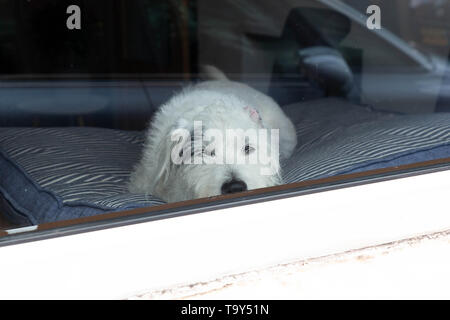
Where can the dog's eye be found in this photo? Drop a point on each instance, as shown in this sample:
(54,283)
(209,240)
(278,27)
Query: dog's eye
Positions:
(248,149)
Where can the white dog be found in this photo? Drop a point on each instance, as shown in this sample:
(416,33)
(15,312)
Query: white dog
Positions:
(178,164)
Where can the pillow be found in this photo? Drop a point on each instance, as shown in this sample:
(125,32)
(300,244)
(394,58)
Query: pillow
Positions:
(51,174)
(337,137)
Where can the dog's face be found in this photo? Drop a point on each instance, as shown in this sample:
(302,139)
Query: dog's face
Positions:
(220,151)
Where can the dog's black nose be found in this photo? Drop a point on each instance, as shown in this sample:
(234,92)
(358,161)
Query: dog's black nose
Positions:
(233,186)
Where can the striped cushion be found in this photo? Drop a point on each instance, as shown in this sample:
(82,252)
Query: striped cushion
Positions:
(50,174)
(336,137)
(77,171)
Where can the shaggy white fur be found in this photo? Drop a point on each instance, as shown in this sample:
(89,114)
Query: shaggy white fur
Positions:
(221,105)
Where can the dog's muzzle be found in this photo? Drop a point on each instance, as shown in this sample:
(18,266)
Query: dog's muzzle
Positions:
(234,186)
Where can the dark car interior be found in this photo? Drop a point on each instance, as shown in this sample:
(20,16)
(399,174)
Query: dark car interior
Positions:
(74,103)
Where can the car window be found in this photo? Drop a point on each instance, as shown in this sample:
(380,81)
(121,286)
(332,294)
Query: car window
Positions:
(158,106)
(349,35)
(111,40)
(425,28)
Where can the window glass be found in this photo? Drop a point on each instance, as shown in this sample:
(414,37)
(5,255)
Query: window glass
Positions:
(114,105)
(113,38)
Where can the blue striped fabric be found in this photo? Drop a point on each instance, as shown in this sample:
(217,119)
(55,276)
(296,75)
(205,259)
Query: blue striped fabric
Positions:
(49,174)
(86,168)
(336,138)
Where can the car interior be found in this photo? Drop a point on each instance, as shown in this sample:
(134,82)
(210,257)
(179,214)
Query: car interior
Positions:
(74,104)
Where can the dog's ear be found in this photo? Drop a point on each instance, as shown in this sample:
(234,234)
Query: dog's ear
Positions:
(170,147)
(254,115)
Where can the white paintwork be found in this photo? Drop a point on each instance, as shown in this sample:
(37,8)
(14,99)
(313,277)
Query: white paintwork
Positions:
(415,268)
(21,230)
(126,261)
